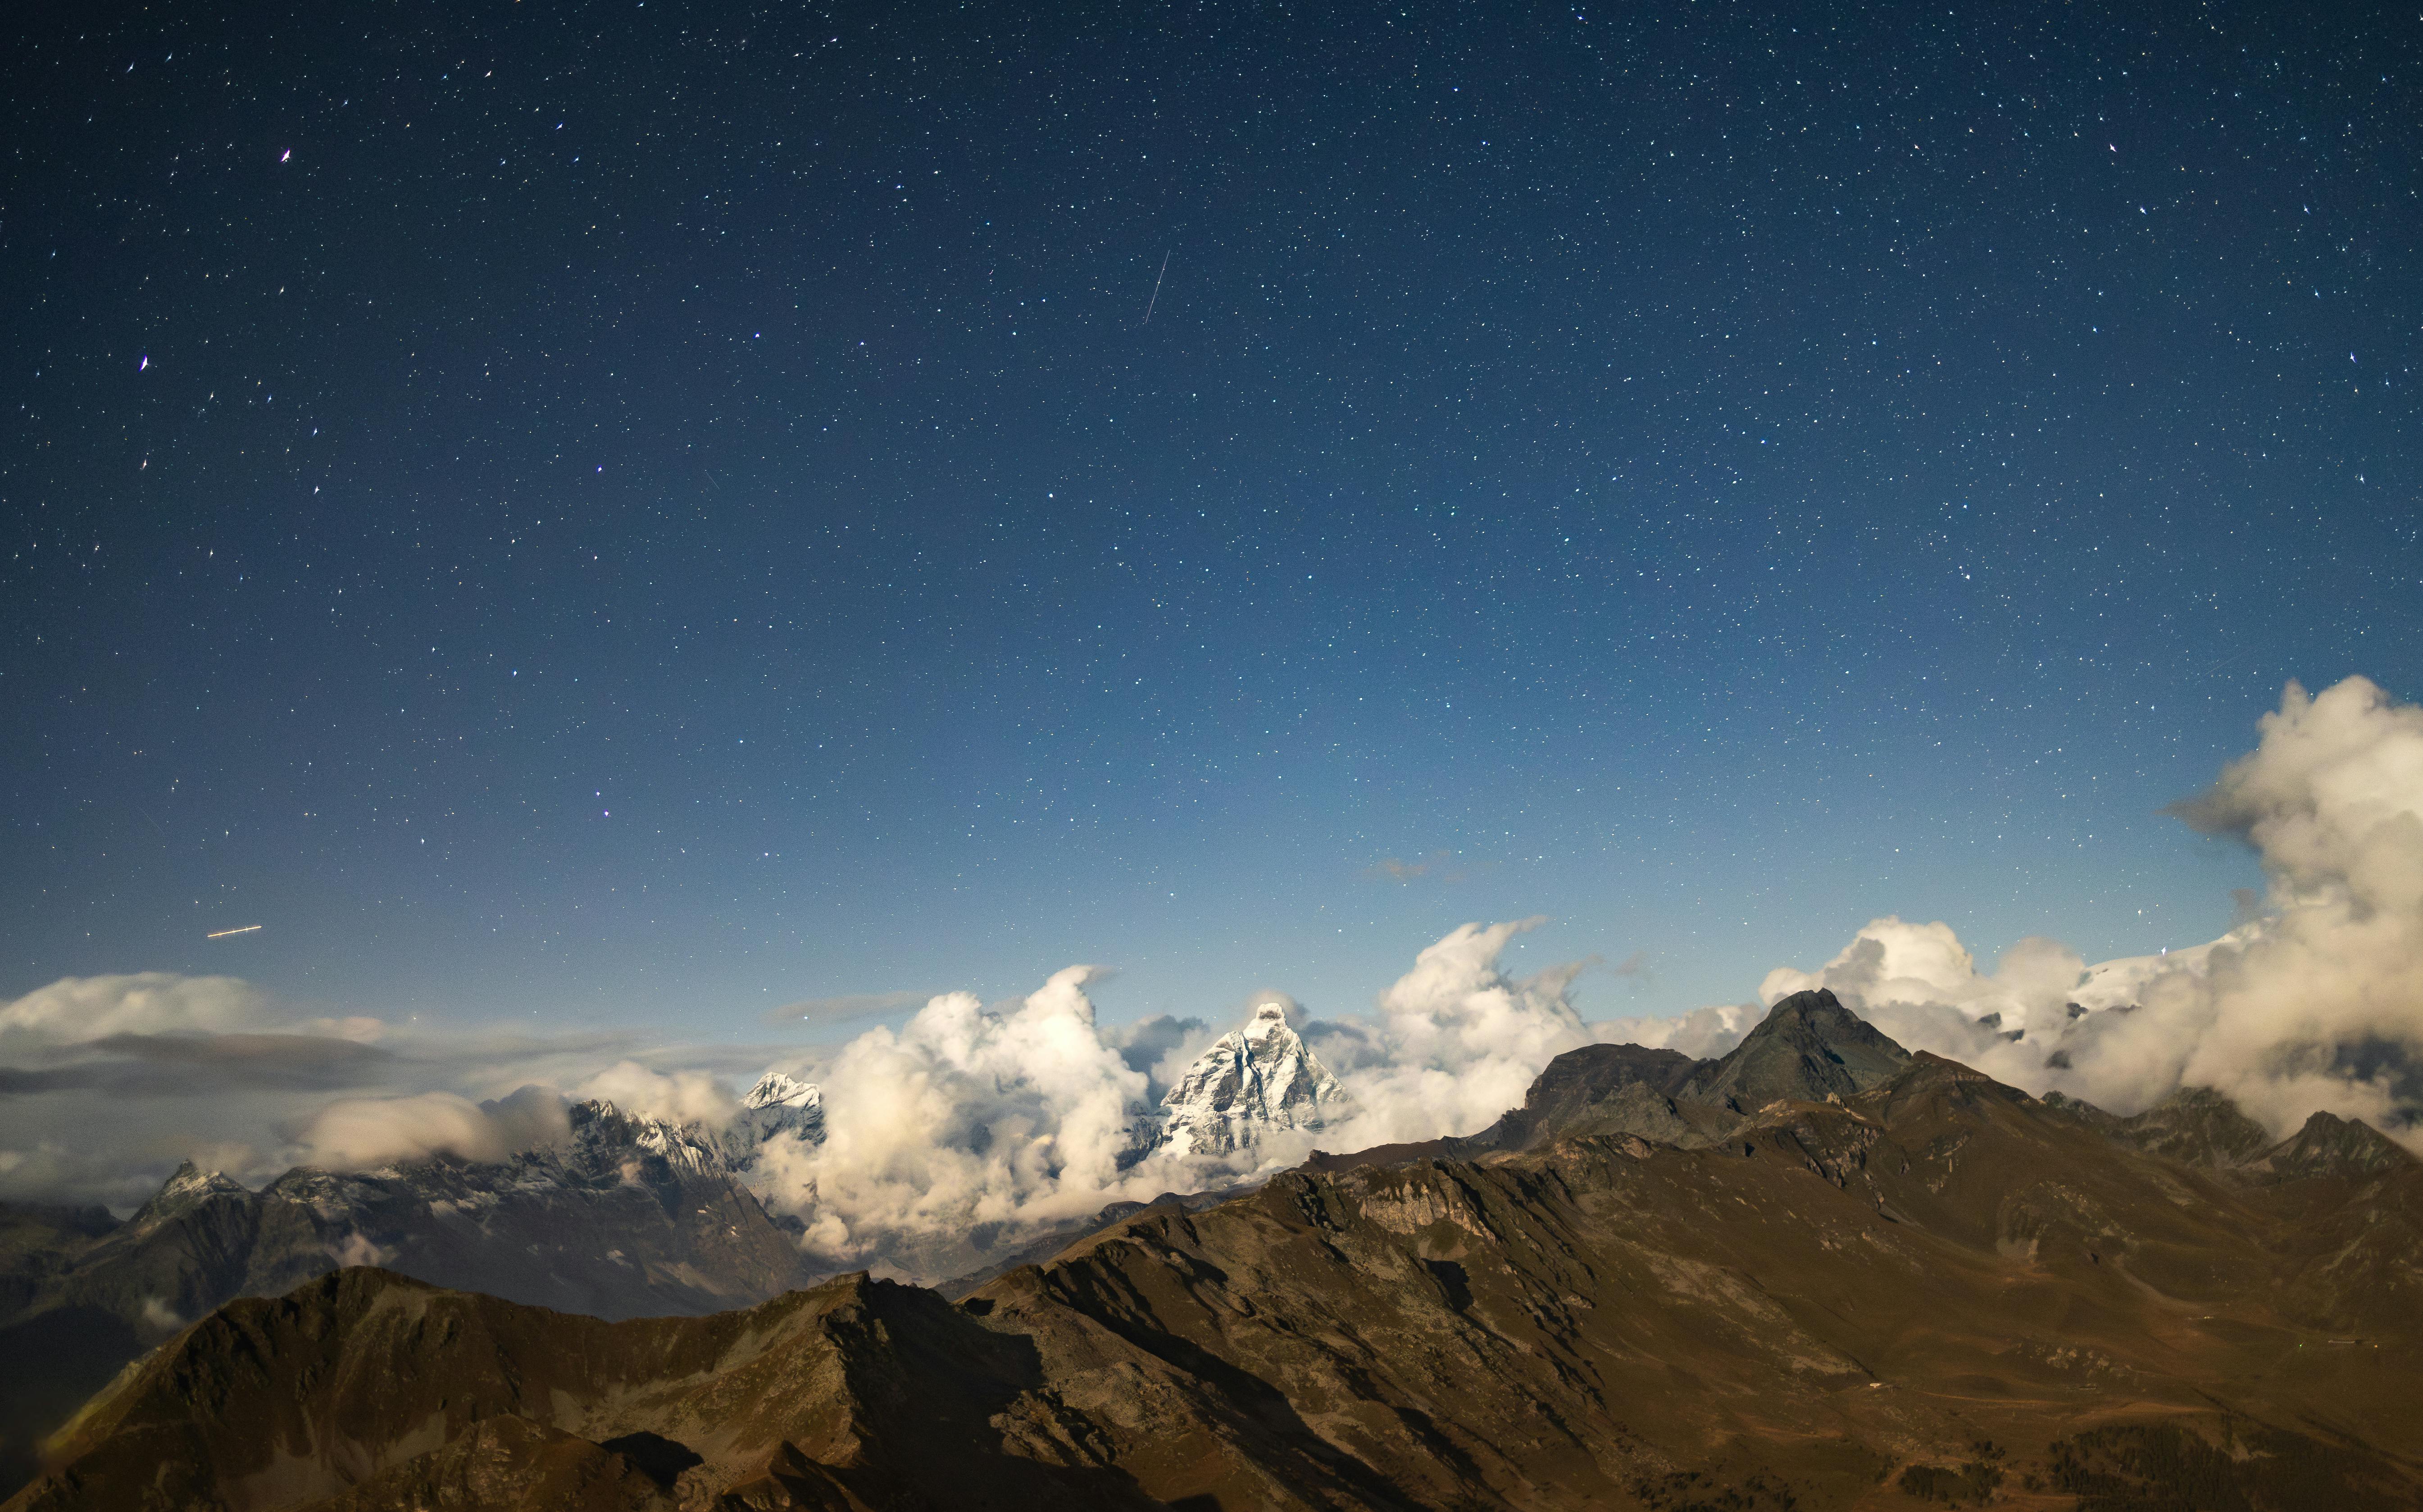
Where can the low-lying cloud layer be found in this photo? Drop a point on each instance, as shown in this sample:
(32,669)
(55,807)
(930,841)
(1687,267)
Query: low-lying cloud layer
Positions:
(969,1126)
(361,1133)
(107,1082)
(2317,1003)
(971,1120)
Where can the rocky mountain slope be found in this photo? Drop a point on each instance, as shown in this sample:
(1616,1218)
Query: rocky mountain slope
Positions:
(631,1216)
(1931,1288)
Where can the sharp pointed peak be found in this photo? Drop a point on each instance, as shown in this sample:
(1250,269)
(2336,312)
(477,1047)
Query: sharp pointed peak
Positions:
(191,1177)
(1808,1046)
(1251,1082)
(189,1187)
(1818,1014)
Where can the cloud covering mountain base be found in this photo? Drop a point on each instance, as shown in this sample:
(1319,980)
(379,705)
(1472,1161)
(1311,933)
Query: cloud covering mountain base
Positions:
(970,1126)
(2315,1005)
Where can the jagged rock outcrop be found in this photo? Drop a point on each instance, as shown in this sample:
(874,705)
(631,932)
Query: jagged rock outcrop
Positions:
(2329,1146)
(1253,1083)
(2195,1125)
(1932,1282)
(2202,1126)
(187,1187)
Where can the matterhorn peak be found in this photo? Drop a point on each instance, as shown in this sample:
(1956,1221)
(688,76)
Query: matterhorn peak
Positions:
(1251,1083)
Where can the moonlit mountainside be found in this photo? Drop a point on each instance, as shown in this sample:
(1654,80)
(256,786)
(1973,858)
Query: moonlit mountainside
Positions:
(1475,757)
(779,1106)
(1255,1082)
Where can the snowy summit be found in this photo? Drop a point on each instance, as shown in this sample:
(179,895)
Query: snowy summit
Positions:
(779,1105)
(1252,1083)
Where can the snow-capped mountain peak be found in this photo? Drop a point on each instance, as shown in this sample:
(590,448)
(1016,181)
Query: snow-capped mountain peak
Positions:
(189,1188)
(603,1133)
(777,1090)
(1251,1083)
(777,1106)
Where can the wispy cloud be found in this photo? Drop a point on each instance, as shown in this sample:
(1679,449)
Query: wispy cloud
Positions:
(847,1008)
(1440,866)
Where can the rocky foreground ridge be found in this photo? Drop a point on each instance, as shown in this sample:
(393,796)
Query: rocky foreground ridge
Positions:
(630,1216)
(1920,1286)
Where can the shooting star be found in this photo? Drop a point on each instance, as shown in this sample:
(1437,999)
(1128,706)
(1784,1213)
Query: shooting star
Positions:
(224,933)
(1156,290)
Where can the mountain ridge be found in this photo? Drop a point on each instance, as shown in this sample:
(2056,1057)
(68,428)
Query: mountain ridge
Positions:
(1836,1305)
(627,1216)
(1808,1044)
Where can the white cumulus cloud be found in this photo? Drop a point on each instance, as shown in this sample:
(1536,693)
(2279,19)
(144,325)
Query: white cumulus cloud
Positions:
(2317,1003)
(81,1010)
(363,1133)
(965,1117)
(1455,1041)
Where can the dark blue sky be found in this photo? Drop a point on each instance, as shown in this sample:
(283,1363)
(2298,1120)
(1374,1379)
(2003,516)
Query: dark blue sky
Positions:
(644,512)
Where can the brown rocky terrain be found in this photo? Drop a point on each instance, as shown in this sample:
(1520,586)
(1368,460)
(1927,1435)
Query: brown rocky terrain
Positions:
(1931,1289)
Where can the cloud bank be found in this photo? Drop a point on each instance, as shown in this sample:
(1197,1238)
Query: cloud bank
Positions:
(965,1120)
(1455,1041)
(2316,1003)
(364,1133)
(108,1082)
(82,1010)
(971,1127)
(968,1123)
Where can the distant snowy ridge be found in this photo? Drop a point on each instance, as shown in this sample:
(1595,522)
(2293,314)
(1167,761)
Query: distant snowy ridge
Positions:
(2119,983)
(601,1131)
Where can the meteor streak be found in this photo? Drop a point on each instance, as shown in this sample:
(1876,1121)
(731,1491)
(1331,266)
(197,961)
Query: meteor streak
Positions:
(224,933)
(1156,288)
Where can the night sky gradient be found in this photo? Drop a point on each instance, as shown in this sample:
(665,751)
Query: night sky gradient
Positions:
(643,513)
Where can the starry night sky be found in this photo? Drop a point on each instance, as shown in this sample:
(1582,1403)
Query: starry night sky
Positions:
(640,513)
